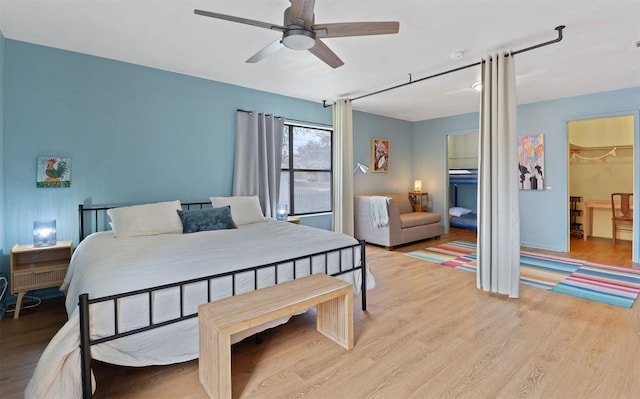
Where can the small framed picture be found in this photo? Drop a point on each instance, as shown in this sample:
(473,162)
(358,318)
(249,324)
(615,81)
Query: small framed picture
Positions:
(380,155)
(53,171)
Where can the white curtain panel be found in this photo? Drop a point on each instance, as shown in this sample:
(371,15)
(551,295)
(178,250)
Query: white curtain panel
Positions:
(498,208)
(258,158)
(343,167)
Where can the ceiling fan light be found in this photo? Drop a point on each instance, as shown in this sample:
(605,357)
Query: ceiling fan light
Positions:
(298,39)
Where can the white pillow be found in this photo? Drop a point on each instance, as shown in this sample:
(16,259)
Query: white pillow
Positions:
(458,211)
(146,220)
(244,210)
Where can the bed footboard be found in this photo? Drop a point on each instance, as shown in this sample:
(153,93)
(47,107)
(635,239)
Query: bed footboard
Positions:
(357,265)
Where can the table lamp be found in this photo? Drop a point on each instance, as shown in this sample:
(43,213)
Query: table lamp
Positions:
(417,186)
(282,211)
(44,233)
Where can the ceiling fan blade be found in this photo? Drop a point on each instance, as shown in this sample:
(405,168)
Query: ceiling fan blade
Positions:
(323,52)
(246,21)
(302,10)
(266,51)
(343,29)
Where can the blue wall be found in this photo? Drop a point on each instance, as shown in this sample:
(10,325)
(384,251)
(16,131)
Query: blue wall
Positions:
(138,134)
(2,189)
(133,133)
(399,177)
(550,118)
(429,154)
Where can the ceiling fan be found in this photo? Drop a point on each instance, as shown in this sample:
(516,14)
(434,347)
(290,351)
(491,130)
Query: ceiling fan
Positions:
(300,32)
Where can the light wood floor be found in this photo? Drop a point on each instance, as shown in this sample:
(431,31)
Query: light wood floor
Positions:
(428,333)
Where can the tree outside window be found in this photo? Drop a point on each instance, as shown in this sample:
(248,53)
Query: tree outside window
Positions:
(306,156)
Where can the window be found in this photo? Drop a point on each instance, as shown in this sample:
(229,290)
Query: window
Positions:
(306,175)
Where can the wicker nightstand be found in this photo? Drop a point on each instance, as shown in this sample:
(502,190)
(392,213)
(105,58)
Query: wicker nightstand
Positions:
(35,268)
(419,201)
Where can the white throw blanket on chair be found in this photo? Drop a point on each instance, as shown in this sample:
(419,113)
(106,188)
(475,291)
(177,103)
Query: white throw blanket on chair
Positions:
(379,211)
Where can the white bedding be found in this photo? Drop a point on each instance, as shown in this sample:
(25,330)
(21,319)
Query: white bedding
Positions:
(104,265)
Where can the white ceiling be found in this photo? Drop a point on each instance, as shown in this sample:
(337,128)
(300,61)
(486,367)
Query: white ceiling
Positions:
(598,52)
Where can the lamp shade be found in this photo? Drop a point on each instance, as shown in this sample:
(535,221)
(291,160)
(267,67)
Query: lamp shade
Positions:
(417,186)
(44,233)
(362,168)
(282,211)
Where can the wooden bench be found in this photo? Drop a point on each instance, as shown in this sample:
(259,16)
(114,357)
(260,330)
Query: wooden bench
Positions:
(219,320)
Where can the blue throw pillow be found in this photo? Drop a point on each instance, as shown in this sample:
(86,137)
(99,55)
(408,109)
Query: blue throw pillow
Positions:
(206,219)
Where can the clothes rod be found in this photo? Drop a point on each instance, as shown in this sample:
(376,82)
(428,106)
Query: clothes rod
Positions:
(411,81)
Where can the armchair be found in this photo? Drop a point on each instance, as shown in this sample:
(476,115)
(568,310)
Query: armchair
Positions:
(404,225)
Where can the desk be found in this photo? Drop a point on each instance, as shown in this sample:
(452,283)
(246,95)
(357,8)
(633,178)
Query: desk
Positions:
(588,214)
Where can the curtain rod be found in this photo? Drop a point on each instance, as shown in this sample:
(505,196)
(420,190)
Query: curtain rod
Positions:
(411,81)
(251,112)
(293,121)
(307,123)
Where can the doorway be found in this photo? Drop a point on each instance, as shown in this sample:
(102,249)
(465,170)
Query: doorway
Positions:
(601,162)
(462,179)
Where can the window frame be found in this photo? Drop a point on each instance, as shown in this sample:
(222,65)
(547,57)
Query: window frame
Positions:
(290,126)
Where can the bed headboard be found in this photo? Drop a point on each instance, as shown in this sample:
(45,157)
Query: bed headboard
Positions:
(94,218)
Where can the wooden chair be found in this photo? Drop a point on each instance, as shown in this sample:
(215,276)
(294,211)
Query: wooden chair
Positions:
(622,213)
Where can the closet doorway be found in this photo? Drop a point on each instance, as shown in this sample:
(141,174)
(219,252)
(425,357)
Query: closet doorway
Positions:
(601,162)
(462,179)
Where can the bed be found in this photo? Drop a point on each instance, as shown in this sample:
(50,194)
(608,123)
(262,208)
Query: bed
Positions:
(459,216)
(464,221)
(132,300)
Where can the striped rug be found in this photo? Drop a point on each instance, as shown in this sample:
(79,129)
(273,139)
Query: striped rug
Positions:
(613,285)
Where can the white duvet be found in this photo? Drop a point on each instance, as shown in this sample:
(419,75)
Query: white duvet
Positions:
(104,265)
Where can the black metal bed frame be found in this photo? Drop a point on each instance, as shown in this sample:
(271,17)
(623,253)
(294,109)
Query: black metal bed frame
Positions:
(84,302)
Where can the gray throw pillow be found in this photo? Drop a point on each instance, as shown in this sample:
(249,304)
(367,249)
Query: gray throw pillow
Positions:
(206,219)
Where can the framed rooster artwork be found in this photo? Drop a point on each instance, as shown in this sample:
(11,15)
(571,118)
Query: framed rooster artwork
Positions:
(53,172)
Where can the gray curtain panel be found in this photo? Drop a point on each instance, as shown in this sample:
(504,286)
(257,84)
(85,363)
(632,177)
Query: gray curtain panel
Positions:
(258,158)
(498,207)
(343,167)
